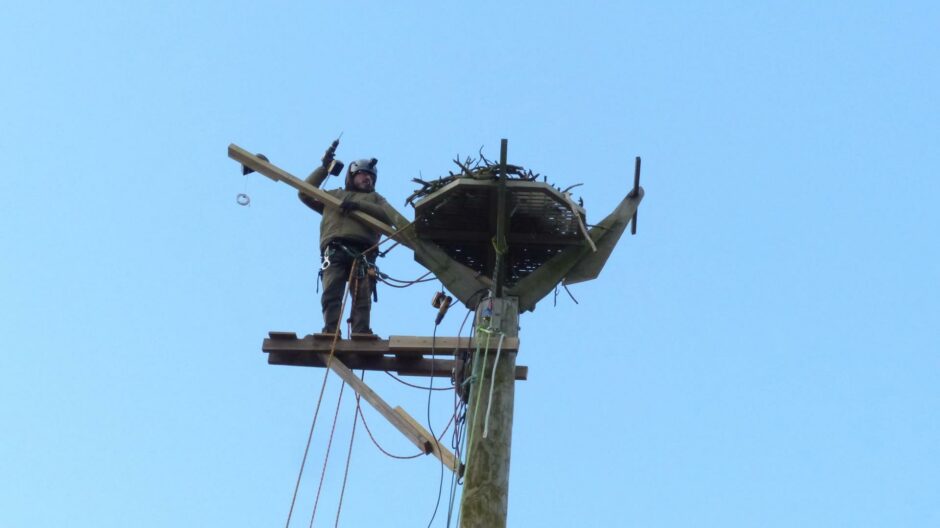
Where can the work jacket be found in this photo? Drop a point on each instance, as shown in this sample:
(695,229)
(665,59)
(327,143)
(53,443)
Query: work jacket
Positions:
(338,226)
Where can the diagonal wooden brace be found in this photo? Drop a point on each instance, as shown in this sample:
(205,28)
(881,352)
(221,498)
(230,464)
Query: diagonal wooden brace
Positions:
(397,416)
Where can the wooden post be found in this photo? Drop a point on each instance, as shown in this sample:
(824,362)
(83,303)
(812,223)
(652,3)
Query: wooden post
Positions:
(485,500)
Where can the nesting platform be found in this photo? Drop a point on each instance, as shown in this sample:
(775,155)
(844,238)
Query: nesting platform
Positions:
(405,355)
(461,218)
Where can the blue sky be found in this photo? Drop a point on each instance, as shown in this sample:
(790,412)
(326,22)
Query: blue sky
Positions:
(763,353)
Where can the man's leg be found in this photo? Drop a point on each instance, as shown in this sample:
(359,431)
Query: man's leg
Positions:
(362,306)
(334,284)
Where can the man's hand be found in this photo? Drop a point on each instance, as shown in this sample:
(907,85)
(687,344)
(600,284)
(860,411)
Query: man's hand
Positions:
(348,205)
(330,154)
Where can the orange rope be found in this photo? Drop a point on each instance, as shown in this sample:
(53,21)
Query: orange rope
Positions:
(316,412)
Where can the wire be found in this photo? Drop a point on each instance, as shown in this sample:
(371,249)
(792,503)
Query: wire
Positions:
(403,382)
(374,441)
(440,485)
(422,278)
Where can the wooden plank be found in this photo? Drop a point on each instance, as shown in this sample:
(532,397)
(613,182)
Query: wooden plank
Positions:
(407,366)
(376,347)
(399,345)
(441,345)
(442,453)
(440,368)
(584,230)
(377,403)
(276,173)
(482,237)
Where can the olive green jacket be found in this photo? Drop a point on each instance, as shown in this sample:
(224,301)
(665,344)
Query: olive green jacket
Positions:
(335,224)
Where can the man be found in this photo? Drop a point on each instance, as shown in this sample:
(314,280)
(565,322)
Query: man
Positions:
(344,240)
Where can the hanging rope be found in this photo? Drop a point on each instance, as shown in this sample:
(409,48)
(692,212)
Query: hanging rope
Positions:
(316,412)
(476,406)
(326,458)
(352,437)
(479,382)
(489,398)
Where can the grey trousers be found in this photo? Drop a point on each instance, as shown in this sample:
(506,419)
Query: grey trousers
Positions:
(360,291)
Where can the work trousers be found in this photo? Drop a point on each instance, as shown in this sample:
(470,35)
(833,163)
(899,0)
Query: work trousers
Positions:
(360,291)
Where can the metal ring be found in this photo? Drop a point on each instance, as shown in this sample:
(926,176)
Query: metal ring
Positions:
(243,199)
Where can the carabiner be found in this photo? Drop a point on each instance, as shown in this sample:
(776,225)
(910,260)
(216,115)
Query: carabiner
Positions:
(326,262)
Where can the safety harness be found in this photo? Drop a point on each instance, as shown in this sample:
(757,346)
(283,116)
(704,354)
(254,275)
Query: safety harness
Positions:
(365,268)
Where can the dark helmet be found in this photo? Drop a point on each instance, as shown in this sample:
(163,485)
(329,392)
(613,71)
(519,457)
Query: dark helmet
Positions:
(367,165)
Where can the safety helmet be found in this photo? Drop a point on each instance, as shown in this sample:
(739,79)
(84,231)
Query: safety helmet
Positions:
(367,165)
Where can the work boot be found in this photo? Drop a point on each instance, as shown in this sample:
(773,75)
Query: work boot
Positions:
(329,332)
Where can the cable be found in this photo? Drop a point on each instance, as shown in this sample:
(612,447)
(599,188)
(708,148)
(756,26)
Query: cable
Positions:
(440,485)
(422,278)
(374,441)
(403,382)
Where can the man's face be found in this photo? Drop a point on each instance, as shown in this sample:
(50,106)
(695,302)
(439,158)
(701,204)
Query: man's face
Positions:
(362,180)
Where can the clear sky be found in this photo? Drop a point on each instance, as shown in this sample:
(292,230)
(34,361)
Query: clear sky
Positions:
(763,353)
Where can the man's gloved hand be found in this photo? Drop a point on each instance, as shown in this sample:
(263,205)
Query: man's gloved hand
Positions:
(348,205)
(330,154)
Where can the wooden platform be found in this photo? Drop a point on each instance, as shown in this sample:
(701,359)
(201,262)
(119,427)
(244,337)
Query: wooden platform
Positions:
(406,355)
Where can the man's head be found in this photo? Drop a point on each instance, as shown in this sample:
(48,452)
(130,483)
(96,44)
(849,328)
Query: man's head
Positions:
(362,175)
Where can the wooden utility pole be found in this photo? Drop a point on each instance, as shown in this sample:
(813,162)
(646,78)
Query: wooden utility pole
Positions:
(485,501)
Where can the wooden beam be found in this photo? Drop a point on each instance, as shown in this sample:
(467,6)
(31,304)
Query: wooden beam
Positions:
(446,457)
(397,416)
(276,173)
(398,345)
(424,367)
(482,237)
(310,344)
(441,345)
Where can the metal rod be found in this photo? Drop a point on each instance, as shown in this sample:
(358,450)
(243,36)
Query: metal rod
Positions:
(501,220)
(636,189)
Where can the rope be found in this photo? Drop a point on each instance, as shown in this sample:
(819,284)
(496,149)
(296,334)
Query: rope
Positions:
(489,398)
(326,458)
(326,374)
(352,437)
(476,403)
(316,412)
